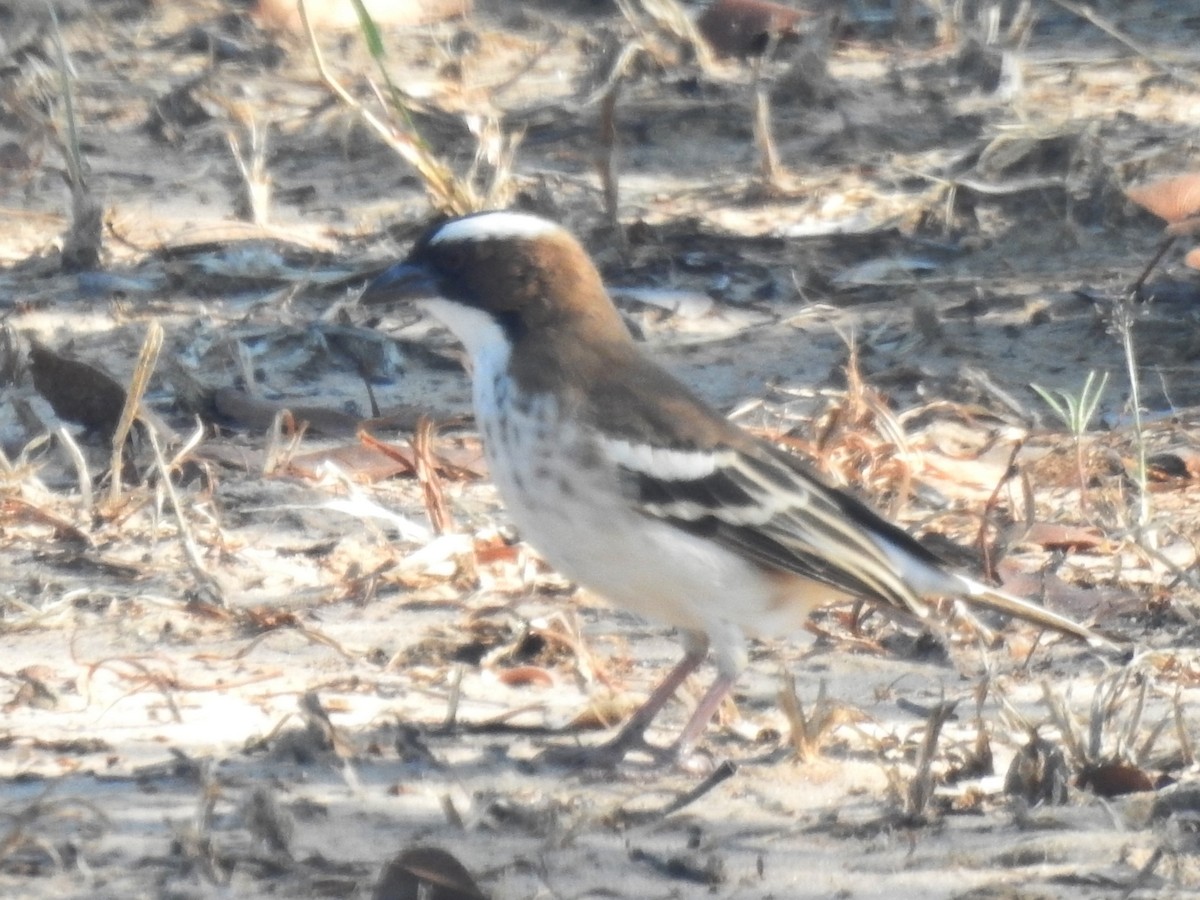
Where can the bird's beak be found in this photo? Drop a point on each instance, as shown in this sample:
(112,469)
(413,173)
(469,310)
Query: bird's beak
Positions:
(402,283)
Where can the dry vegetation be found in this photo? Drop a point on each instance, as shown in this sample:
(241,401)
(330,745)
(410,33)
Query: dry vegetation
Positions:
(264,631)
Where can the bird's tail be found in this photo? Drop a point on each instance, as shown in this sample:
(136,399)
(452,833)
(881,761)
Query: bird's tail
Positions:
(978,594)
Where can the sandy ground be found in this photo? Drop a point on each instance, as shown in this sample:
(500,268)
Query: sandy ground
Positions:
(261,674)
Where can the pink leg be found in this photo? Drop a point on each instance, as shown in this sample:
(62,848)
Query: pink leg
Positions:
(679,751)
(632,735)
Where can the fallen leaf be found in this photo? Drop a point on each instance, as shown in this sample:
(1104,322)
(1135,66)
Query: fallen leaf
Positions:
(1114,779)
(1179,463)
(525,676)
(426,873)
(1070,538)
(744,28)
(257,414)
(77,391)
(1172,199)
(363,463)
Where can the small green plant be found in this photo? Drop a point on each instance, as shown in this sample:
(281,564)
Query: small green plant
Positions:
(1123,318)
(1076,412)
(449,192)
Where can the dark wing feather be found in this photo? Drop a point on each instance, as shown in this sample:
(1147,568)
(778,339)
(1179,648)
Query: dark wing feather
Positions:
(767,507)
(683,463)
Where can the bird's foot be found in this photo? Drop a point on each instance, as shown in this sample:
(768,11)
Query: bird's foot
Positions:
(604,756)
(611,754)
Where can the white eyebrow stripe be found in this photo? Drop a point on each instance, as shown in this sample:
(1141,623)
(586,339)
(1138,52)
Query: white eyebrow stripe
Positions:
(494,226)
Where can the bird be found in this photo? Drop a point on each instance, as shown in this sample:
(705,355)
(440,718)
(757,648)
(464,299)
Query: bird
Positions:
(630,485)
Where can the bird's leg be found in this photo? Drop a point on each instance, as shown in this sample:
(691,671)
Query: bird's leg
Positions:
(632,735)
(679,753)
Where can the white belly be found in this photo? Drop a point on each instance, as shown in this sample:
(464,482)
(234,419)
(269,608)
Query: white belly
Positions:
(565,496)
(575,515)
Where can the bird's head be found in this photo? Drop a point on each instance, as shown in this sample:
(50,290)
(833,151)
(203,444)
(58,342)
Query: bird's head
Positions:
(507,272)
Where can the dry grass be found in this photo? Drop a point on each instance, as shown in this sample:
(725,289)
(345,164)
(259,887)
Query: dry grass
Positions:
(259,670)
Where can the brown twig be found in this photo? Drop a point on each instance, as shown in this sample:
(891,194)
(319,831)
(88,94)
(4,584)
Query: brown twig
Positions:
(436,506)
(721,773)
(142,371)
(985,550)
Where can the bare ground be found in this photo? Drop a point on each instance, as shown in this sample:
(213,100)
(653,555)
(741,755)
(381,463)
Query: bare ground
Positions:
(262,675)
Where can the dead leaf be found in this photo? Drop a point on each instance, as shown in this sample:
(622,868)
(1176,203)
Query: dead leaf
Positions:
(77,391)
(1097,604)
(1177,464)
(1069,538)
(426,873)
(525,676)
(14,509)
(257,414)
(744,28)
(1172,199)
(1115,778)
(364,463)
(495,550)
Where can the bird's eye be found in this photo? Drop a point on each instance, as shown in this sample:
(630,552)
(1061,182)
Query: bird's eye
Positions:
(511,323)
(453,258)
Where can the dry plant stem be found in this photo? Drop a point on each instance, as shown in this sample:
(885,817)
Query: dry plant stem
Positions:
(191,552)
(82,244)
(1135,290)
(920,789)
(142,371)
(1125,329)
(793,711)
(807,731)
(606,158)
(277,454)
(81,467)
(1145,872)
(447,192)
(669,17)
(309,634)
(1186,749)
(453,699)
(769,164)
(253,169)
(721,773)
(1065,723)
(44,809)
(1116,34)
(985,550)
(1105,703)
(628,54)
(1180,574)
(189,445)
(436,506)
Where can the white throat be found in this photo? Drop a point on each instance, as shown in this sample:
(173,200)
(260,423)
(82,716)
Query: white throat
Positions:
(486,344)
(480,334)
